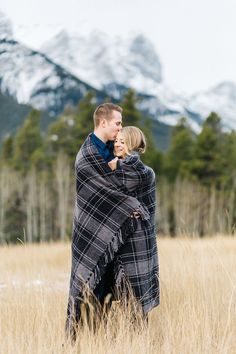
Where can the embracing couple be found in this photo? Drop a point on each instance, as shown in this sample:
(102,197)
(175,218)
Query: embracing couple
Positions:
(114,240)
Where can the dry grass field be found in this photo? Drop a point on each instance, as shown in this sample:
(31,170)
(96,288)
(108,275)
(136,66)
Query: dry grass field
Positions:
(197,312)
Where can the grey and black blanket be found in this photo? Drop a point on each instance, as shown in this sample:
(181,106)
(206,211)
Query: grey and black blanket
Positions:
(103,229)
(139,256)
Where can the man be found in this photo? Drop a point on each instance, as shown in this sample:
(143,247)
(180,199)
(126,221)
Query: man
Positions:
(102,217)
(107,124)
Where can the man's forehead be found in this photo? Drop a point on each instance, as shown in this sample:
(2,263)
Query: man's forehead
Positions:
(117,119)
(117,115)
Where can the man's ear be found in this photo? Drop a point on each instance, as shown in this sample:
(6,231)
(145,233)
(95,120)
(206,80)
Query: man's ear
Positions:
(103,123)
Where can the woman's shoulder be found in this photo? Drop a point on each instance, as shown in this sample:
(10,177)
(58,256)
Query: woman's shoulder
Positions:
(135,160)
(132,158)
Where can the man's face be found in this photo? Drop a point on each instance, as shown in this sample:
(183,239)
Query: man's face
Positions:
(113,126)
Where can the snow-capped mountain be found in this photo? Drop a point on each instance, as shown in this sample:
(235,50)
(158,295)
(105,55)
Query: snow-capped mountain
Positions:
(220,99)
(67,66)
(102,61)
(5,26)
(115,64)
(32,78)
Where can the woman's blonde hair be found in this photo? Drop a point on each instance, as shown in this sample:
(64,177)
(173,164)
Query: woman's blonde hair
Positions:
(134,139)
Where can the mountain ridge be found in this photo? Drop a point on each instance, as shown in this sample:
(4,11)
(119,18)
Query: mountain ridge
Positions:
(49,80)
(166,105)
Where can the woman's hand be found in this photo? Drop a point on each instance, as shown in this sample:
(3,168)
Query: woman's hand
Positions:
(135,215)
(113,164)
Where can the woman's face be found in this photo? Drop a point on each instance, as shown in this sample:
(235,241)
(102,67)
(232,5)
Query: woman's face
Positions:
(120,148)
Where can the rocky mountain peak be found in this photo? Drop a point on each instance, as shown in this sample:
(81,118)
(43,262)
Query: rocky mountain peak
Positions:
(5,27)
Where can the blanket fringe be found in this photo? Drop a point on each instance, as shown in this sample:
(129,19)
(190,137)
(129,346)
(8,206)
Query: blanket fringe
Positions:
(119,239)
(119,273)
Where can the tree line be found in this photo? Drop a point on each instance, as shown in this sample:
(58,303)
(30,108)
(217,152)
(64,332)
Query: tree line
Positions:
(195,176)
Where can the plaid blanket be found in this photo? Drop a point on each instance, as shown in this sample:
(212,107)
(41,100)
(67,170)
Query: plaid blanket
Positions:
(102,227)
(139,257)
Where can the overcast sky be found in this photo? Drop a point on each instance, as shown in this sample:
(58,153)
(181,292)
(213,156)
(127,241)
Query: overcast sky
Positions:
(195,39)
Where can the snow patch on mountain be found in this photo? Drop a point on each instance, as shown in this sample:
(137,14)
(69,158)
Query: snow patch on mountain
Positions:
(5,26)
(30,77)
(220,99)
(73,64)
(22,69)
(102,60)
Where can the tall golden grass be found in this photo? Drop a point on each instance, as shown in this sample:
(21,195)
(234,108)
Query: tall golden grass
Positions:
(197,312)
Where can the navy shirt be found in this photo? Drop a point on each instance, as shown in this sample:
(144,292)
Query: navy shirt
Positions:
(104,149)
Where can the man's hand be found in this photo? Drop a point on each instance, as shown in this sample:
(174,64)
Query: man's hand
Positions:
(113,164)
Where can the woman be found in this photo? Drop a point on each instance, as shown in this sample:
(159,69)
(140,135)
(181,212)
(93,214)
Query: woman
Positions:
(138,259)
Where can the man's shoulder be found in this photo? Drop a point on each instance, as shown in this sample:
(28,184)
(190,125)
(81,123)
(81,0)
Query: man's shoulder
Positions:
(87,143)
(85,149)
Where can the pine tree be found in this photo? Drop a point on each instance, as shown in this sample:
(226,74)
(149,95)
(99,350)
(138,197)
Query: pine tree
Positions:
(68,133)
(15,219)
(7,150)
(208,159)
(179,156)
(228,152)
(28,139)
(84,115)
(133,117)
